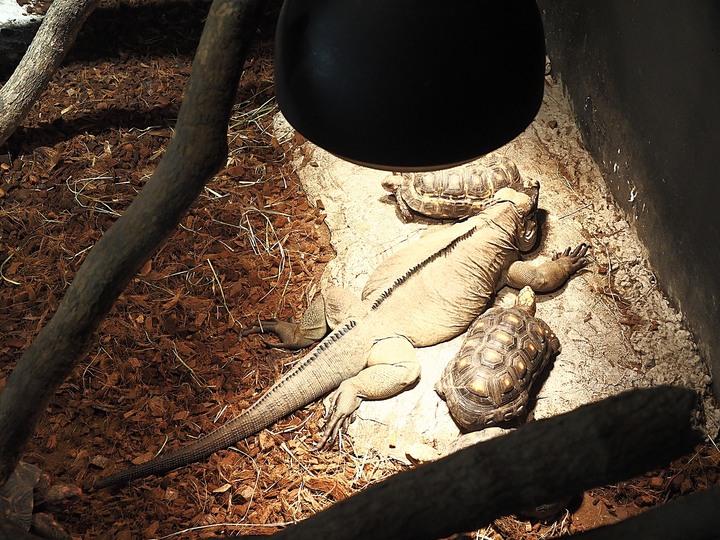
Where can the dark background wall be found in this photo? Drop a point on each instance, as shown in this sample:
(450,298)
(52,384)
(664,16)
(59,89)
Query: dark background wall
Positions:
(644,80)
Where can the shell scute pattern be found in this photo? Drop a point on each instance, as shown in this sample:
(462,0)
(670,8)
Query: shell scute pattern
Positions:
(27,497)
(452,193)
(490,379)
(16,496)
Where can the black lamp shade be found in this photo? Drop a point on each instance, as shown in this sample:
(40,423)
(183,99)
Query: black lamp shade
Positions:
(409,84)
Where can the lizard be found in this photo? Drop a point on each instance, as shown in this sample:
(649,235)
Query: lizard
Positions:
(425,293)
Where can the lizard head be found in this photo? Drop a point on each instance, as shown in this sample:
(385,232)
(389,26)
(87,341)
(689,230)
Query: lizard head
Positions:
(525,199)
(531,188)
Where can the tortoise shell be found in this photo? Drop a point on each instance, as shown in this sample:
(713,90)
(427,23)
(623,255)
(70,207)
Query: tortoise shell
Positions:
(489,380)
(452,193)
(17,495)
(27,497)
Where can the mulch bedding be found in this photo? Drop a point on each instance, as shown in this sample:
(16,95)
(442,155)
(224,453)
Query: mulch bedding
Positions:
(168,365)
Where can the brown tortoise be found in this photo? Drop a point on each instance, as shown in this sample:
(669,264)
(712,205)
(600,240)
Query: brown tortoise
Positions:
(27,500)
(489,380)
(452,193)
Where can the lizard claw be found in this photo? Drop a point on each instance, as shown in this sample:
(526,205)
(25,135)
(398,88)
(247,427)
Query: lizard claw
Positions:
(340,408)
(260,327)
(576,258)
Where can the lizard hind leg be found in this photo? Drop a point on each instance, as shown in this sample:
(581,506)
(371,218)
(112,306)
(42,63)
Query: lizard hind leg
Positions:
(326,311)
(290,334)
(293,335)
(392,366)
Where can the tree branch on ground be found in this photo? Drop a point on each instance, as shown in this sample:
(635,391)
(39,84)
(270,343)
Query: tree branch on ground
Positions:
(541,462)
(196,152)
(56,35)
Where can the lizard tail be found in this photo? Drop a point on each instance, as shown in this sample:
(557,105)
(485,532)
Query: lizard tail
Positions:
(307,381)
(230,433)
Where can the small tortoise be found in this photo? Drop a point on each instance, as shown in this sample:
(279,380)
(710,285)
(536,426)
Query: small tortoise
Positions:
(489,380)
(27,499)
(452,193)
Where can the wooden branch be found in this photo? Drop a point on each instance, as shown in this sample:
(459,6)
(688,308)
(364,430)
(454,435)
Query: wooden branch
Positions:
(541,462)
(197,150)
(56,34)
(695,516)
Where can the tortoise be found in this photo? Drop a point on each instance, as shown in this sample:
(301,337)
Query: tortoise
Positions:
(489,381)
(27,499)
(453,193)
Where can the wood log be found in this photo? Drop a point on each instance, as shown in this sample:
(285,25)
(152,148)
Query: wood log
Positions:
(543,461)
(198,149)
(695,516)
(56,34)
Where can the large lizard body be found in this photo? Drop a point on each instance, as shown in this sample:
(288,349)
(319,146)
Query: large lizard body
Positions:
(424,294)
(452,275)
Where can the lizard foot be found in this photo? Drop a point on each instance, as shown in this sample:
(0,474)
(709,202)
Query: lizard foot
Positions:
(341,405)
(573,259)
(289,333)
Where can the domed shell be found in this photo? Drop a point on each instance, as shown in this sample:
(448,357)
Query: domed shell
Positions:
(16,496)
(454,193)
(489,380)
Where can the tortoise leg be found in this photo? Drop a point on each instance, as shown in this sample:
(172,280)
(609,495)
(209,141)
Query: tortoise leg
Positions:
(45,526)
(549,275)
(402,206)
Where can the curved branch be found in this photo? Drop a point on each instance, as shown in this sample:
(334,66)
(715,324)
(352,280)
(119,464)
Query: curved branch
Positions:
(197,150)
(56,34)
(543,461)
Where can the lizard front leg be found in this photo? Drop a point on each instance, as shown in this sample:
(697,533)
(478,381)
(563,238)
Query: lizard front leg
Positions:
(392,366)
(549,275)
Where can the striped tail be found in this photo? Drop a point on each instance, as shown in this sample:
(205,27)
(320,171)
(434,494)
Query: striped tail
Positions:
(314,376)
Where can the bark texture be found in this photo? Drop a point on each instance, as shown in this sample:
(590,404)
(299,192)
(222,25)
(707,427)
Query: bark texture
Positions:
(51,43)
(197,150)
(541,462)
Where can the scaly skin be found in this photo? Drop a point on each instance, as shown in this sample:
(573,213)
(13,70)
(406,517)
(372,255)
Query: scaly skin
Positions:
(424,294)
(307,381)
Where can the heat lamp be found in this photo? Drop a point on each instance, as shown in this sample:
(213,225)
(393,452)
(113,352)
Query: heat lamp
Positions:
(409,85)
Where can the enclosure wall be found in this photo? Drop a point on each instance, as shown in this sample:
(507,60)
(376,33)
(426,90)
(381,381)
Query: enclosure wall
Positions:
(643,77)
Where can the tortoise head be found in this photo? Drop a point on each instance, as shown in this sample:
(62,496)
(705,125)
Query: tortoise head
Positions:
(392,183)
(526,300)
(57,497)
